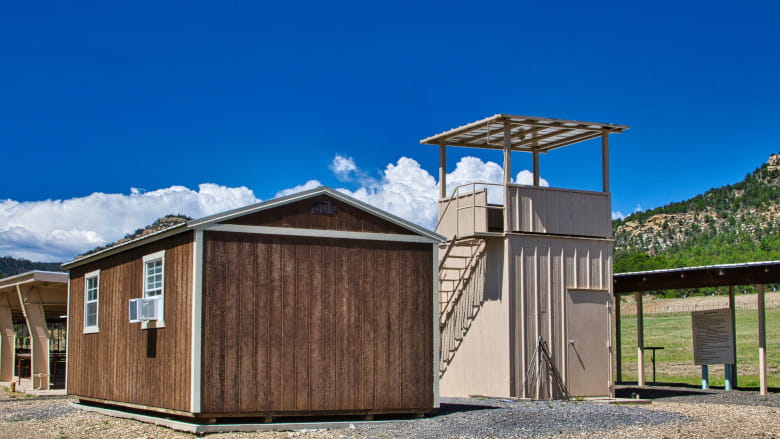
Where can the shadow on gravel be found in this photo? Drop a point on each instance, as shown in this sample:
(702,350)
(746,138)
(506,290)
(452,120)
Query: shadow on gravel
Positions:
(450,408)
(690,393)
(658,392)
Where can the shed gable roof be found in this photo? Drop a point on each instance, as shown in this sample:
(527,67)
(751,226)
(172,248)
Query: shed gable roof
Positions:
(255,208)
(228,216)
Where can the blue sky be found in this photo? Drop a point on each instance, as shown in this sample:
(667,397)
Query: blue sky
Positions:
(108,96)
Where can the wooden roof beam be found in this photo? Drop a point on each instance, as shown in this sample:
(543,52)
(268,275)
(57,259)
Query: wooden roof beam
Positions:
(533,140)
(570,140)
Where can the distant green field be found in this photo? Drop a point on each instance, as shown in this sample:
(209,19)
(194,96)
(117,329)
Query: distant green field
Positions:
(674,364)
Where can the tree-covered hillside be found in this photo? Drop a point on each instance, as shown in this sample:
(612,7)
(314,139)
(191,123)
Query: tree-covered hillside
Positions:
(10,266)
(730,224)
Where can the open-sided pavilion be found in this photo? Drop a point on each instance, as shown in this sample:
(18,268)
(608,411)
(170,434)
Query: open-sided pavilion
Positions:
(725,275)
(34,297)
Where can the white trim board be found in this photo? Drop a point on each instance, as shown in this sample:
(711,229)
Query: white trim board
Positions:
(318,233)
(197,322)
(436,329)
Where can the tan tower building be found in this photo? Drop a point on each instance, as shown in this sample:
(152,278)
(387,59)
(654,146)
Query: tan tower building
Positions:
(526,273)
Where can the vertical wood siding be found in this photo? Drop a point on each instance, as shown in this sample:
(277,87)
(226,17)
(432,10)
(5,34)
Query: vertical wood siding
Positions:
(299,215)
(113,364)
(300,325)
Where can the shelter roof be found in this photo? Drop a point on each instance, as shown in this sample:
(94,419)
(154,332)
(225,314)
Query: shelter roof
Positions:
(39,276)
(694,277)
(528,133)
(53,287)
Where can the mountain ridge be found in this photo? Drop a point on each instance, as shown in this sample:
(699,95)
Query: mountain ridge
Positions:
(734,223)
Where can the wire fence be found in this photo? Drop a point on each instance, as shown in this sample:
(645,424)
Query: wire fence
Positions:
(661,308)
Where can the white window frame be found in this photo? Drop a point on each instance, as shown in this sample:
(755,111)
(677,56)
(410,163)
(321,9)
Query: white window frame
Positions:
(96,327)
(160,255)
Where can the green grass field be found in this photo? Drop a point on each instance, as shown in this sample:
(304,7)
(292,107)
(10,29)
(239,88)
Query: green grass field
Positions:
(674,364)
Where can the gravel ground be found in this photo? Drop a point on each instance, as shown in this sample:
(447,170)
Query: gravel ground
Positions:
(675,413)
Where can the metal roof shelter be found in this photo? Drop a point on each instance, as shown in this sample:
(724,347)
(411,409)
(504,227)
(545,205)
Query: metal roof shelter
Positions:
(750,273)
(34,297)
(523,133)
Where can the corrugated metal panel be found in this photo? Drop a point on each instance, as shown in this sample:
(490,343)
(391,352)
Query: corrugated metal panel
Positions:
(546,267)
(560,212)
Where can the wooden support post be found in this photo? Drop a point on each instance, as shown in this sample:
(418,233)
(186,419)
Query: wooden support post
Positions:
(640,341)
(442,171)
(39,336)
(733,307)
(7,340)
(605,161)
(507,176)
(761,341)
(536,168)
(618,343)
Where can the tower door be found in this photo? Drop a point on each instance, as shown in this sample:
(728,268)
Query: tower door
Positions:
(588,342)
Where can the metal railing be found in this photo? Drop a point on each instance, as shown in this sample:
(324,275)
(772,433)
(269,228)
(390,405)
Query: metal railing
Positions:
(472,264)
(456,196)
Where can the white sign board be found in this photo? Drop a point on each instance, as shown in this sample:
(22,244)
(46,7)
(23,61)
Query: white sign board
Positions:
(713,339)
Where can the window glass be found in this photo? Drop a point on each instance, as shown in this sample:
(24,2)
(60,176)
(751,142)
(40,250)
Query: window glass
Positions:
(154,278)
(91,295)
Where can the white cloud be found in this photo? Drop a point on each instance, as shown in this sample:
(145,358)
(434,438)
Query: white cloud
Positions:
(618,215)
(638,208)
(57,230)
(311,184)
(409,191)
(527,177)
(405,189)
(343,167)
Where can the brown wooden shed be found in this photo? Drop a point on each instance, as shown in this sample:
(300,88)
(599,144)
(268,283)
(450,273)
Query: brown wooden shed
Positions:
(310,304)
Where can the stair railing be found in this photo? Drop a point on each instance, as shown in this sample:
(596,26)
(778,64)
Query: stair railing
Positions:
(463,279)
(456,196)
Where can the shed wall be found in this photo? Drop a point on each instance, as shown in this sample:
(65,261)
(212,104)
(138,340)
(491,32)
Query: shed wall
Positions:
(115,364)
(475,343)
(544,269)
(301,325)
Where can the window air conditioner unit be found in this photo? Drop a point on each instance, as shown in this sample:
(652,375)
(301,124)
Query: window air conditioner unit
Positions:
(147,308)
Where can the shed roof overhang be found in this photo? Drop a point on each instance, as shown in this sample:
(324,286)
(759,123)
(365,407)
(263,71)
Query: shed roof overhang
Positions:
(694,277)
(528,133)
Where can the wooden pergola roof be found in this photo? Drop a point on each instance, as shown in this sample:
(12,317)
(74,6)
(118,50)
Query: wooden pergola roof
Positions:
(694,277)
(528,133)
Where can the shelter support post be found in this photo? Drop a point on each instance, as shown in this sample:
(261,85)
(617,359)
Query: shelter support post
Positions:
(442,171)
(7,340)
(733,307)
(605,161)
(705,376)
(727,377)
(30,300)
(640,341)
(618,343)
(761,341)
